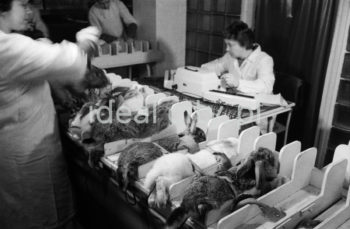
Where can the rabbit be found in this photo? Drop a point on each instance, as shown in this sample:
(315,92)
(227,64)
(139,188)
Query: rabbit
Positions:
(308,223)
(144,90)
(206,157)
(66,94)
(192,135)
(80,126)
(96,78)
(258,173)
(187,140)
(167,170)
(133,101)
(173,168)
(206,193)
(202,195)
(133,156)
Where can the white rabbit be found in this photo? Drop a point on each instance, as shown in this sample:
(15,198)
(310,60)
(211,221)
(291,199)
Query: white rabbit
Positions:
(167,170)
(174,167)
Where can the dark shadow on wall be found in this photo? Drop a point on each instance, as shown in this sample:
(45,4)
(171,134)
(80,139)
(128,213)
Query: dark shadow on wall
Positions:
(300,46)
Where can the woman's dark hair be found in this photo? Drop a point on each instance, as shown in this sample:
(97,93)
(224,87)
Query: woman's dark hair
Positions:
(240,32)
(91,3)
(5,5)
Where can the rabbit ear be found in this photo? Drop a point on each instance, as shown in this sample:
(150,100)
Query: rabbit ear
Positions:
(120,100)
(194,123)
(188,120)
(142,90)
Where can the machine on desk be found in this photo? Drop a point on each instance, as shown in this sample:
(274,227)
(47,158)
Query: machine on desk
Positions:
(232,99)
(200,83)
(192,81)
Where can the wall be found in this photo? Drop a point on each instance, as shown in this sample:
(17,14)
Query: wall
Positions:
(206,21)
(165,22)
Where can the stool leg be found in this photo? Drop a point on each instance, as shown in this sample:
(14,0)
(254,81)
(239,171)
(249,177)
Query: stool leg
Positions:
(148,66)
(130,72)
(287,127)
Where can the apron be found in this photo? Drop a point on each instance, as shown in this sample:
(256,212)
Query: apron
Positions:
(34,187)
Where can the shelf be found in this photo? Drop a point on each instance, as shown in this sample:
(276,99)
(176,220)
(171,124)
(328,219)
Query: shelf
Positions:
(122,60)
(342,128)
(343,103)
(345,78)
(210,13)
(338,136)
(341,117)
(346,66)
(344,92)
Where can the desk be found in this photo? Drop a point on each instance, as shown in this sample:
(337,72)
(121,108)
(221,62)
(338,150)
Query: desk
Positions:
(234,112)
(141,194)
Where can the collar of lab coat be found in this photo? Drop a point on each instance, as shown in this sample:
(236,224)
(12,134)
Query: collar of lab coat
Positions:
(254,54)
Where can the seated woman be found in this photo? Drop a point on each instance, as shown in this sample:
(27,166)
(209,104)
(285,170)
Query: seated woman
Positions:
(244,66)
(110,16)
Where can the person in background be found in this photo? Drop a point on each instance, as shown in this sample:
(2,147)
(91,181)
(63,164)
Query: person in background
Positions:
(244,67)
(36,27)
(110,16)
(35,191)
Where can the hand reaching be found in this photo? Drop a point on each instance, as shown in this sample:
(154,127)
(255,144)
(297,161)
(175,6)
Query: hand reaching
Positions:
(229,80)
(87,39)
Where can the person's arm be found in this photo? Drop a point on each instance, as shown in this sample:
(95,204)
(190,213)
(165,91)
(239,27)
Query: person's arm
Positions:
(128,19)
(125,14)
(265,79)
(24,59)
(94,19)
(219,66)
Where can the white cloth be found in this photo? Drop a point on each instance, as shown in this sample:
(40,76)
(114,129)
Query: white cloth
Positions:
(110,21)
(34,186)
(256,71)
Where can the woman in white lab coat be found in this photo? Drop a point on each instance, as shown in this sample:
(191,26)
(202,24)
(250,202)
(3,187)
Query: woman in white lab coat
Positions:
(244,66)
(34,186)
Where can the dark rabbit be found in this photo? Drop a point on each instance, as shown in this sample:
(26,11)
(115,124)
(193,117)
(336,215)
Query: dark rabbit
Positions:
(193,135)
(202,195)
(308,224)
(95,78)
(210,192)
(132,157)
(197,133)
(257,173)
(187,140)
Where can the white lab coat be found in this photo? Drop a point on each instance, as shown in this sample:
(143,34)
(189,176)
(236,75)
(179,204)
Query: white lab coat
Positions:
(256,71)
(34,186)
(110,21)
(256,76)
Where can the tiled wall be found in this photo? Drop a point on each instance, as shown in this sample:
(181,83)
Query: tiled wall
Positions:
(206,20)
(340,132)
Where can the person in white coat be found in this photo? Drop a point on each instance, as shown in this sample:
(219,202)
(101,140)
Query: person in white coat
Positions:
(110,16)
(34,187)
(244,66)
